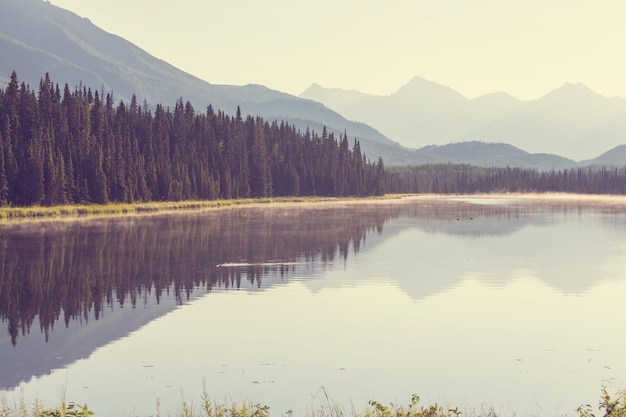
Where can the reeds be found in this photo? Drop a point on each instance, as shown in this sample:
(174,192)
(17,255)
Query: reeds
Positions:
(119,209)
(84,210)
(608,406)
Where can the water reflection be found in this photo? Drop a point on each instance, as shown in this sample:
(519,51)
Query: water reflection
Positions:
(95,281)
(69,271)
(67,288)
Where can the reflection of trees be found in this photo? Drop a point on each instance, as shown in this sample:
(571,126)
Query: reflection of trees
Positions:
(65,271)
(74,270)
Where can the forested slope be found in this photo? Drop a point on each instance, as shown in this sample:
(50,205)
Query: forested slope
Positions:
(62,145)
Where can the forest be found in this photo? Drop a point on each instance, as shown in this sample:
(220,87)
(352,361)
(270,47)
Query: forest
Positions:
(77,146)
(468,179)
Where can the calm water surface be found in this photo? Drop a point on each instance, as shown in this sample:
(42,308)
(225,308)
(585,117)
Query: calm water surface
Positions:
(512,303)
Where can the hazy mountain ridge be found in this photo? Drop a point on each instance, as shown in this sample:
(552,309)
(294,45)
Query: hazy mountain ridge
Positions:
(490,155)
(614,157)
(572,120)
(420,113)
(37,37)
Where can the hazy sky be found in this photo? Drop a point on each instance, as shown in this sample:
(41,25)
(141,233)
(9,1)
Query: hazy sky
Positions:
(525,48)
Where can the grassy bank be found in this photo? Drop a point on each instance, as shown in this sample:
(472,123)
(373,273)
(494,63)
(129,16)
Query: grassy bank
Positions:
(69,211)
(608,406)
(87,210)
(10,213)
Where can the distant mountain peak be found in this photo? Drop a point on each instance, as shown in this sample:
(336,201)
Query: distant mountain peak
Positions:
(577,86)
(496,94)
(314,88)
(498,100)
(418,86)
(419,82)
(572,91)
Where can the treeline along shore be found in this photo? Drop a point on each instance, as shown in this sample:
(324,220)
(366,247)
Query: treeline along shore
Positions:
(75,146)
(63,146)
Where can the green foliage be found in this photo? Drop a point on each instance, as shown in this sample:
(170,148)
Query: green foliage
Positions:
(413,409)
(69,410)
(210,409)
(38,410)
(610,407)
(614,406)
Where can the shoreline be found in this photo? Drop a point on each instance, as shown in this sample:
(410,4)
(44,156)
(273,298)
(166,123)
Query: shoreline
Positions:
(9,215)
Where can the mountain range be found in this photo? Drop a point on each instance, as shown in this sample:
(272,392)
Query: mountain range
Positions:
(572,120)
(37,37)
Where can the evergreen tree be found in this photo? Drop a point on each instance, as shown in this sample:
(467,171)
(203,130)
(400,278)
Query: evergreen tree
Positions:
(78,147)
(259,171)
(4,186)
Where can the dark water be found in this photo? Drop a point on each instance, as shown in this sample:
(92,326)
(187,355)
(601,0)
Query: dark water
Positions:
(504,302)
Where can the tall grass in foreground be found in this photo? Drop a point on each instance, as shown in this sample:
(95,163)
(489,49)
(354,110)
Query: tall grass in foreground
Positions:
(609,406)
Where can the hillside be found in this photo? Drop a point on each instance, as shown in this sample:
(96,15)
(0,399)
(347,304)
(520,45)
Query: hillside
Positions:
(38,38)
(615,157)
(489,155)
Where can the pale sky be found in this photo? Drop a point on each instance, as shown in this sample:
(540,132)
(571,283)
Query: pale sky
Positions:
(523,47)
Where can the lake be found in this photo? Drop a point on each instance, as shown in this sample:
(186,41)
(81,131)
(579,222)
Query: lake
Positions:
(515,303)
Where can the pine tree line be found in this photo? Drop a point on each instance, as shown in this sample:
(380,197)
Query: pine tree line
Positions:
(468,179)
(78,146)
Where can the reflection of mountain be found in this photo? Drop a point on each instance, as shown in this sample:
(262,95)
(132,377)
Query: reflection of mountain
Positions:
(88,284)
(436,249)
(554,251)
(38,353)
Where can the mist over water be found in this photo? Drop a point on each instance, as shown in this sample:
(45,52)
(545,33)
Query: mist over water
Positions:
(509,302)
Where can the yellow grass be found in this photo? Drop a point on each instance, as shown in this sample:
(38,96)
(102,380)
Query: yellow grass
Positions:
(117,209)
